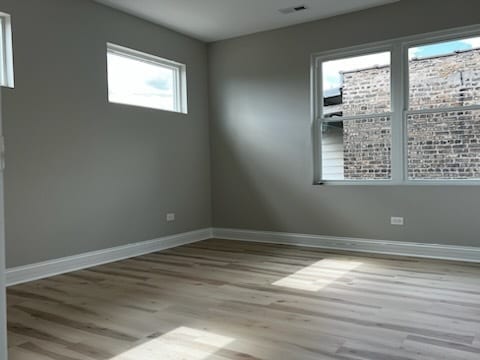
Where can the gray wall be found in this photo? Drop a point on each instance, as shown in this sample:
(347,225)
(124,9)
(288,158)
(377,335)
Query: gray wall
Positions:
(260,130)
(3,304)
(83,174)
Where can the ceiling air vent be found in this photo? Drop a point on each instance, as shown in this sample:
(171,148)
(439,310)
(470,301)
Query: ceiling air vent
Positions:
(293,9)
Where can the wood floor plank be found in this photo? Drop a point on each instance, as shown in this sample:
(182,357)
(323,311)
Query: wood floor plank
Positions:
(218,299)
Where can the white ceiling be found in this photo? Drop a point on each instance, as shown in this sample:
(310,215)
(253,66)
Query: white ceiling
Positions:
(212,20)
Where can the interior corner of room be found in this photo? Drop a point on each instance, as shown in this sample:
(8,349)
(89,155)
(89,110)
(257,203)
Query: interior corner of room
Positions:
(226,179)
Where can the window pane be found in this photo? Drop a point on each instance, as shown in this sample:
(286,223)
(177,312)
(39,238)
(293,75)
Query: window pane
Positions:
(357,149)
(141,83)
(357,86)
(6,52)
(444,145)
(445,74)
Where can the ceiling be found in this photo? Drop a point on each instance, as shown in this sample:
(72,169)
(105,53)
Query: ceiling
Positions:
(212,20)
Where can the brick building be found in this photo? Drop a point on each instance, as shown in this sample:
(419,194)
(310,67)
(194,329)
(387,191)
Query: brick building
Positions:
(440,145)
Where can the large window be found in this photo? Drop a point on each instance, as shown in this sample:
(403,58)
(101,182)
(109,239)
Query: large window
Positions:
(140,79)
(405,111)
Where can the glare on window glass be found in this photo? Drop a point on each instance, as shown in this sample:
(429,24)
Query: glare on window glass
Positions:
(141,83)
(445,74)
(357,85)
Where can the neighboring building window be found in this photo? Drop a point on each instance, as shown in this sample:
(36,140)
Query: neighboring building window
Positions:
(140,79)
(401,111)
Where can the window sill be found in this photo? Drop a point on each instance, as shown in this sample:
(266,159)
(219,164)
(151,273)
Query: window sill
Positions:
(398,183)
(149,108)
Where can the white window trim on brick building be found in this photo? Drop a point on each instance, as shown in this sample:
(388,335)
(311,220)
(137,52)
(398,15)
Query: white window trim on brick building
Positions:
(399,104)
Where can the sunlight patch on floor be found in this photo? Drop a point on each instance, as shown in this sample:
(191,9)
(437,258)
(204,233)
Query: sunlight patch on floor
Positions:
(319,275)
(183,343)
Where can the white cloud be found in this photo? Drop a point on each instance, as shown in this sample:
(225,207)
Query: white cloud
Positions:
(473,42)
(332,69)
(414,51)
(134,82)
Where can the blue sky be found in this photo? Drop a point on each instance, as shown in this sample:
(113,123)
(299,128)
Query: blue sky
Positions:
(160,82)
(444,48)
(438,49)
(332,69)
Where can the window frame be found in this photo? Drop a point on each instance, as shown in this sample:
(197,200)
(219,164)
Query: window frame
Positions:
(179,81)
(399,111)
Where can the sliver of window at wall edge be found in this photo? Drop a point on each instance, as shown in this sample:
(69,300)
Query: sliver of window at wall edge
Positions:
(6,52)
(403,116)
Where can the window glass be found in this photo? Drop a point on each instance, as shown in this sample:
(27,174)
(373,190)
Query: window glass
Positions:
(444,145)
(445,74)
(138,81)
(357,149)
(357,85)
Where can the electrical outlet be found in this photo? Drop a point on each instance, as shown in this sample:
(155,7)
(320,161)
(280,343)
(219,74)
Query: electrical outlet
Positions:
(396,220)
(170,217)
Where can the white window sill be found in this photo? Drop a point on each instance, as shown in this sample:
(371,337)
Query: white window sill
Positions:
(398,183)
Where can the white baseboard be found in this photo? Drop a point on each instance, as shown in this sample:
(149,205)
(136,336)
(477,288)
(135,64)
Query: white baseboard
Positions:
(45,269)
(22,274)
(431,251)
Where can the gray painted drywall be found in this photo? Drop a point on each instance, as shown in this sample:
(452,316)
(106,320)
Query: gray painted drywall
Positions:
(261,143)
(3,302)
(83,174)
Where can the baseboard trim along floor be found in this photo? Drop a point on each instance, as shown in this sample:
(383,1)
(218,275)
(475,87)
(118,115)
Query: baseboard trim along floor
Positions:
(430,251)
(22,274)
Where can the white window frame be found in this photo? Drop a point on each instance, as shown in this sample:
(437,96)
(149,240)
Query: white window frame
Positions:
(399,105)
(179,81)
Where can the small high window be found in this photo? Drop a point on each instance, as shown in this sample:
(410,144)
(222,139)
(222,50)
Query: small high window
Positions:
(139,79)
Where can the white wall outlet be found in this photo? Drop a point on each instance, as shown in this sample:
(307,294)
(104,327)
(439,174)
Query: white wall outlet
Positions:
(170,217)
(394,220)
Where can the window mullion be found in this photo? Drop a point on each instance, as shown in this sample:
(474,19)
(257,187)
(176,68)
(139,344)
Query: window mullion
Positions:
(317,113)
(399,73)
(356,117)
(443,110)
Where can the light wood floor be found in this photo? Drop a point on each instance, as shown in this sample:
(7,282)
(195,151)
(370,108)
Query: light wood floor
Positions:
(235,300)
